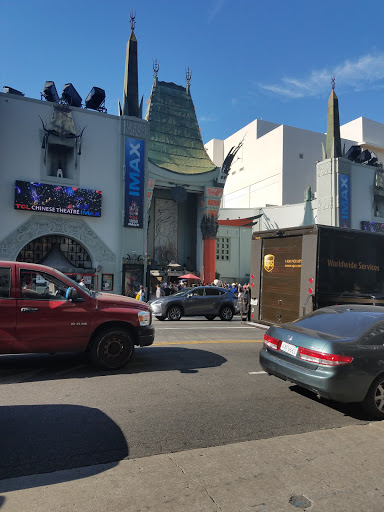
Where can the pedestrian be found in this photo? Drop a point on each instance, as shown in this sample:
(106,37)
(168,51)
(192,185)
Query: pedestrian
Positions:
(158,292)
(82,282)
(142,294)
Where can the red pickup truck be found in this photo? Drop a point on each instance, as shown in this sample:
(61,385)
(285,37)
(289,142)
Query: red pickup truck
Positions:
(43,310)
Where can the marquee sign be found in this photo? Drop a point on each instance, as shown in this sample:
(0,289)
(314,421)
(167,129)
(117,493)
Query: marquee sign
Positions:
(134,183)
(43,197)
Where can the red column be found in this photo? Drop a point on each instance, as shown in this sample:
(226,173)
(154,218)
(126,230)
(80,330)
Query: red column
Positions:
(209,260)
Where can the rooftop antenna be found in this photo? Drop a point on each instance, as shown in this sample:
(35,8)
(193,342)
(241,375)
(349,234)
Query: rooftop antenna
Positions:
(133,22)
(156,68)
(333,80)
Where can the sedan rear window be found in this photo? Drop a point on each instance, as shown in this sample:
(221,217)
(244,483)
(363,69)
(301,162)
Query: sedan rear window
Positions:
(344,324)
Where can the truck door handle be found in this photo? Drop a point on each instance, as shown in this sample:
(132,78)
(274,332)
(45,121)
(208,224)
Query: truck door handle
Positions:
(29,310)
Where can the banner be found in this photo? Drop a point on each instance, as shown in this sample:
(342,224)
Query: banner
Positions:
(344,201)
(43,197)
(134,183)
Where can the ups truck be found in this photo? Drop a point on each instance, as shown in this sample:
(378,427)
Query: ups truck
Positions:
(297,270)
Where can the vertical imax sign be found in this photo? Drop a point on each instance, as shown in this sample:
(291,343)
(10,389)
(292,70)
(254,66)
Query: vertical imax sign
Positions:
(134,183)
(344,201)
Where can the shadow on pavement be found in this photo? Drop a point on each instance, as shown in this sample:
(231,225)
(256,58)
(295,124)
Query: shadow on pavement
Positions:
(353,410)
(39,439)
(43,367)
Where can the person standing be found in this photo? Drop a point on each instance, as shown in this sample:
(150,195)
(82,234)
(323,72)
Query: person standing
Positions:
(158,292)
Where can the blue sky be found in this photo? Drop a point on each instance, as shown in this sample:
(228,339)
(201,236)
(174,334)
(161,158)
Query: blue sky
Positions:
(249,59)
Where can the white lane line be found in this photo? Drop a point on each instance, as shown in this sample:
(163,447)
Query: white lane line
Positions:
(195,328)
(256,373)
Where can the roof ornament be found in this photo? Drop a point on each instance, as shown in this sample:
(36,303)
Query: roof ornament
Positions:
(133,22)
(333,80)
(188,75)
(156,68)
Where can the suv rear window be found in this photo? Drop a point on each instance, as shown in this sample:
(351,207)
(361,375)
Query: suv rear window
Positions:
(5,283)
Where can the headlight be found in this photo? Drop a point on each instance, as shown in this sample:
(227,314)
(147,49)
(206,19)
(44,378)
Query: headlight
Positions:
(144,317)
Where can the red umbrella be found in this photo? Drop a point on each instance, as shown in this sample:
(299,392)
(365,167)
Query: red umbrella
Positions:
(189,276)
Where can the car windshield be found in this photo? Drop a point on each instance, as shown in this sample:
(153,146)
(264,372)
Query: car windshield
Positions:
(344,324)
(91,293)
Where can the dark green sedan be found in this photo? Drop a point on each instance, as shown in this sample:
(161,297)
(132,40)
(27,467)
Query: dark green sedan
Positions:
(337,352)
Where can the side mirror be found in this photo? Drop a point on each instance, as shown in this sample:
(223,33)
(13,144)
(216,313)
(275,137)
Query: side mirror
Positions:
(71,294)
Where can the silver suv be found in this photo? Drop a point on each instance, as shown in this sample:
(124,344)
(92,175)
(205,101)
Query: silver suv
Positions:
(208,301)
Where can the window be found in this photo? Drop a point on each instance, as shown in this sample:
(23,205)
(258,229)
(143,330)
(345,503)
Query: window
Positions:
(213,291)
(41,286)
(223,249)
(198,292)
(5,283)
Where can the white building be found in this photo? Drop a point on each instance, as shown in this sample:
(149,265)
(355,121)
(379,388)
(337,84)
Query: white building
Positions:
(271,176)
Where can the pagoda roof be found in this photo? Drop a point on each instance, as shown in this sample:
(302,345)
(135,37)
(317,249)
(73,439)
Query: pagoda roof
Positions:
(175,140)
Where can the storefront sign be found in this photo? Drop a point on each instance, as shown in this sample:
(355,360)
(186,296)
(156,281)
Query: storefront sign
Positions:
(134,183)
(43,197)
(344,201)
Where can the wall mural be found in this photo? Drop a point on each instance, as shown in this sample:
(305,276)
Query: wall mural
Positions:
(165,242)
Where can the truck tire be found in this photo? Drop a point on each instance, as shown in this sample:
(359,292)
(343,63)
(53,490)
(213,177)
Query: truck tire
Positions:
(112,349)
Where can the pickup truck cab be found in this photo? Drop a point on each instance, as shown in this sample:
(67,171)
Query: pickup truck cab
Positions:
(43,310)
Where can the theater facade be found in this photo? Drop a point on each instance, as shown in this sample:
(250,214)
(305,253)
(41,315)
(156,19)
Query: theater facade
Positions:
(111,198)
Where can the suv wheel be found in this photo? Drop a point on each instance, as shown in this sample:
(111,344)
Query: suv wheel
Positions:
(226,313)
(374,401)
(174,313)
(112,349)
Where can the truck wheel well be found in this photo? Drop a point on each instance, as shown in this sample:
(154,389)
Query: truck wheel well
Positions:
(107,326)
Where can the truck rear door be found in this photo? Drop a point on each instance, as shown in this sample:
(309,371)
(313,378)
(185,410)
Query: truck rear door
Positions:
(280,279)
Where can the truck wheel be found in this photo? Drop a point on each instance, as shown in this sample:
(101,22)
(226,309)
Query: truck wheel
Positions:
(174,313)
(112,349)
(374,401)
(226,313)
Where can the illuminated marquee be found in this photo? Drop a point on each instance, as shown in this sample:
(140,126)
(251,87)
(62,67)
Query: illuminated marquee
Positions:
(47,198)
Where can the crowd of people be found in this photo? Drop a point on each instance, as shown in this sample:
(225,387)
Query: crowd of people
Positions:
(242,291)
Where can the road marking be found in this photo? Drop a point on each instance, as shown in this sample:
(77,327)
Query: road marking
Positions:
(194,328)
(256,373)
(204,342)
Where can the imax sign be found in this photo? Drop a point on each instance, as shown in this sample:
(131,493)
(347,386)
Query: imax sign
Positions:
(344,201)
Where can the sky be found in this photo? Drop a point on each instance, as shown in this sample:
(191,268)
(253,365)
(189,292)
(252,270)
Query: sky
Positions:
(249,59)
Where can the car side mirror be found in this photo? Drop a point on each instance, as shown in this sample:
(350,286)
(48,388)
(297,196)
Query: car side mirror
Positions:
(71,294)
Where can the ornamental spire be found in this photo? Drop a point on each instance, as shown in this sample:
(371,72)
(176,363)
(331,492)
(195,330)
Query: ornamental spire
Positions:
(131,82)
(333,142)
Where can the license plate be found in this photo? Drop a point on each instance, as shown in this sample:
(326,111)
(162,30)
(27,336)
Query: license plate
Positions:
(290,349)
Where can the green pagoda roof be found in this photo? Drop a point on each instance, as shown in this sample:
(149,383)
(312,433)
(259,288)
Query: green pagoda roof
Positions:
(175,141)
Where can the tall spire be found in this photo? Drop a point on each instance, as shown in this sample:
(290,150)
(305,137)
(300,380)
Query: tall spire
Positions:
(131,87)
(333,143)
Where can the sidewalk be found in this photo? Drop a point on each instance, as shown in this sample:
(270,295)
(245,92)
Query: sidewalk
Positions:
(330,470)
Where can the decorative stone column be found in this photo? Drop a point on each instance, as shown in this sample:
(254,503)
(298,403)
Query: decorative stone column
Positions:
(209,226)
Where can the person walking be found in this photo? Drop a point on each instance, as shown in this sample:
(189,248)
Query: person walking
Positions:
(158,292)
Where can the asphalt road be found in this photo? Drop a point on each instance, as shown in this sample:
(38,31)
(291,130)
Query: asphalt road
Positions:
(200,385)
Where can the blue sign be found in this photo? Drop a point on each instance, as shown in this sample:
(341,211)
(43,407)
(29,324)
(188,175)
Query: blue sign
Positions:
(344,201)
(134,183)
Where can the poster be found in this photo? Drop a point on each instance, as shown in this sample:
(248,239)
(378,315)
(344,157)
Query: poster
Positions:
(134,183)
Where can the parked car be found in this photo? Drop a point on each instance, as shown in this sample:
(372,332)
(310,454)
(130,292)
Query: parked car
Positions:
(208,301)
(43,310)
(337,352)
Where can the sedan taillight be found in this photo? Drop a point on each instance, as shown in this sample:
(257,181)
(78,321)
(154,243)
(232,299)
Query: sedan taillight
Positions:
(271,342)
(324,359)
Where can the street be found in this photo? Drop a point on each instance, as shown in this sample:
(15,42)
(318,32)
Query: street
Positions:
(199,386)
